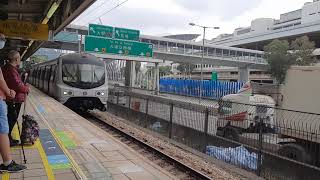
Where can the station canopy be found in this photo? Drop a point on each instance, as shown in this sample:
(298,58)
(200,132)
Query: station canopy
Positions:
(52,15)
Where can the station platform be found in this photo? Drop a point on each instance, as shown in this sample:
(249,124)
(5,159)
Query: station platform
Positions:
(70,148)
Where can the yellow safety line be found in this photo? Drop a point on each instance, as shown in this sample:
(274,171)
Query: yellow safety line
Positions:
(69,156)
(45,161)
(24,147)
(5,176)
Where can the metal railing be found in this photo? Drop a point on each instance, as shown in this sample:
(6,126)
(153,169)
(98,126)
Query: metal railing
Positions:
(274,143)
(171,46)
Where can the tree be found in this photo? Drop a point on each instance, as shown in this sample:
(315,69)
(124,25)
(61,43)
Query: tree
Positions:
(278,59)
(302,51)
(38,58)
(185,68)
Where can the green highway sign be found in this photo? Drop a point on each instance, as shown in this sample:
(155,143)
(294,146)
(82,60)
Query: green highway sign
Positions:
(117,46)
(127,34)
(100,30)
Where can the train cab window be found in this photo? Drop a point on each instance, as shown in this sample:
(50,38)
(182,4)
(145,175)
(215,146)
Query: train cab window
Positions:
(84,76)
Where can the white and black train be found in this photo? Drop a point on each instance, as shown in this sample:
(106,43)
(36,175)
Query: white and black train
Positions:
(76,80)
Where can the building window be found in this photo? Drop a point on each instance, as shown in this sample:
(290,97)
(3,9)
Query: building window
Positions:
(257,72)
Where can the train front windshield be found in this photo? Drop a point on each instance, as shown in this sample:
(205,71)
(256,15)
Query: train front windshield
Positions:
(84,76)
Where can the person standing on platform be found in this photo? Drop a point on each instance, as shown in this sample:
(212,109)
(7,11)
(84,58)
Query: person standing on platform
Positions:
(8,164)
(14,81)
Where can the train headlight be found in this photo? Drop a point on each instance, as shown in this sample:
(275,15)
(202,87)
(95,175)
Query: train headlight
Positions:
(100,93)
(67,92)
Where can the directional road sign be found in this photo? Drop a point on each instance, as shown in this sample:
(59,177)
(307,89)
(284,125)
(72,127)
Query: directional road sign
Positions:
(127,34)
(100,30)
(117,46)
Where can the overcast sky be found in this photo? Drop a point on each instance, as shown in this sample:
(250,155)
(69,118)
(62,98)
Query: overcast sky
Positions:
(164,17)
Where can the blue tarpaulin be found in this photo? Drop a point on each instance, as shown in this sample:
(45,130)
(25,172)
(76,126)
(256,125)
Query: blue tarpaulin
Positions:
(238,156)
(210,89)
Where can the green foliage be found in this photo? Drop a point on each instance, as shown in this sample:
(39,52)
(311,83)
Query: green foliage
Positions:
(281,56)
(38,59)
(278,59)
(302,51)
(185,67)
(33,60)
(164,70)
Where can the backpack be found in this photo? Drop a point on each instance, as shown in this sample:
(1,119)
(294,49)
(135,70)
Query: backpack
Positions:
(30,130)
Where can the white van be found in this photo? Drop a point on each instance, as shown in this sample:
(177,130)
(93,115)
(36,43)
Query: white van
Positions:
(242,112)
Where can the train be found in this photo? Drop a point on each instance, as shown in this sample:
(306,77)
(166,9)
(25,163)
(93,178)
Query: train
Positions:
(77,80)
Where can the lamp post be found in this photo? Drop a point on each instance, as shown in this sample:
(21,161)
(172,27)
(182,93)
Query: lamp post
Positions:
(201,67)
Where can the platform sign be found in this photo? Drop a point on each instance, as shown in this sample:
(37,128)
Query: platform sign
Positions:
(100,30)
(117,46)
(24,30)
(127,34)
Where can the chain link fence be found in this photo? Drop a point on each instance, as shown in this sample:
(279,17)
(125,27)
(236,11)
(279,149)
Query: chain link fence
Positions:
(271,142)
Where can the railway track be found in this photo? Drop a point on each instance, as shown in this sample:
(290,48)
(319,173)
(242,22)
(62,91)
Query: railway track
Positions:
(156,155)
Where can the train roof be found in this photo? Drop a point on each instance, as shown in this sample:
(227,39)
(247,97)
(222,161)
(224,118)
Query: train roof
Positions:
(79,58)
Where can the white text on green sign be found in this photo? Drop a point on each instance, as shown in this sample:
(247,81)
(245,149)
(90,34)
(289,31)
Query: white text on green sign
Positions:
(117,46)
(127,34)
(100,30)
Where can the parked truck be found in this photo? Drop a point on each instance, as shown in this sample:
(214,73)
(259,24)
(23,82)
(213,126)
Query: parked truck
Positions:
(290,126)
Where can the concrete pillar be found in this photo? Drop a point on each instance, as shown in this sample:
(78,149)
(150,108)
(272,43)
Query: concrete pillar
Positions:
(156,78)
(243,74)
(130,74)
(133,74)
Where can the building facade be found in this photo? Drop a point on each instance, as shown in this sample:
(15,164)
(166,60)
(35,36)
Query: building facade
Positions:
(309,13)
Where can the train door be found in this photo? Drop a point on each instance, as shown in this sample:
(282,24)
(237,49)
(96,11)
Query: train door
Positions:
(51,80)
(33,76)
(43,72)
(45,79)
(38,78)
(48,78)
(30,77)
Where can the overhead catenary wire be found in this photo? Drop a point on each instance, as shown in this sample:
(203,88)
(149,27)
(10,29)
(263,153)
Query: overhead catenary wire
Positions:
(99,6)
(113,8)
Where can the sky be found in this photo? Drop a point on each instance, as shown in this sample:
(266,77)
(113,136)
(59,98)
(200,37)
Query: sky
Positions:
(165,17)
